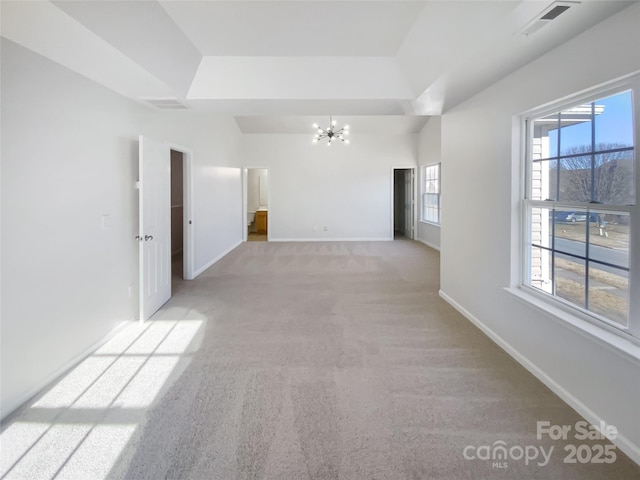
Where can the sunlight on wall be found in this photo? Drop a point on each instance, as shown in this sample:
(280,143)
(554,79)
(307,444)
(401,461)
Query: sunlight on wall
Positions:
(81,425)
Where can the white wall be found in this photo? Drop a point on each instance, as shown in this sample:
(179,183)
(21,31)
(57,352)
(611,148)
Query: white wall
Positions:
(217,180)
(69,157)
(345,188)
(429,152)
(477,153)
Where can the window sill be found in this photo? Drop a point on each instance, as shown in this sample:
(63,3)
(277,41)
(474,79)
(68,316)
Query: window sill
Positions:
(613,339)
(429,223)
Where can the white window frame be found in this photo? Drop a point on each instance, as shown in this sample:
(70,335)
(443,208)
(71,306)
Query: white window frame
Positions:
(555,306)
(424,193)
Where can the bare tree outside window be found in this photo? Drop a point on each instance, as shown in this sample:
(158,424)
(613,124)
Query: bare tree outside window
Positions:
(601,177)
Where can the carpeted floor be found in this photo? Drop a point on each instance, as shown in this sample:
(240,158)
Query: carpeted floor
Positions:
(312,361)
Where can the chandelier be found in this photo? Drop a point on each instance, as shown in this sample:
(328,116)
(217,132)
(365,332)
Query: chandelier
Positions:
(332,133)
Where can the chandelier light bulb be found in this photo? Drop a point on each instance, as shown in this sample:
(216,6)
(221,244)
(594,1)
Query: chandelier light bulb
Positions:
(315,125)
(346,127)
(347,142)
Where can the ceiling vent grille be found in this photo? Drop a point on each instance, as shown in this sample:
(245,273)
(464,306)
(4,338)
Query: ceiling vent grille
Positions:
(167,103)
(555,11)
(550,13)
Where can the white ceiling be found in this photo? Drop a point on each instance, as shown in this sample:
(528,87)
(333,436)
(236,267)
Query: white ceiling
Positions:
(286,28)
(274,65)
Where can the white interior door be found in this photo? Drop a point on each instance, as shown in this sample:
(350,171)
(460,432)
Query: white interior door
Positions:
(408,203)
(154,232)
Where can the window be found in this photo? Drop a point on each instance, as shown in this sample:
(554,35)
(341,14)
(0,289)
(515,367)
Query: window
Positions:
(431,193)
(580,205)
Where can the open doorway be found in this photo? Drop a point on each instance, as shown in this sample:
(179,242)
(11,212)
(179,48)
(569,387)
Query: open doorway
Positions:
(180,221)
(403,211)
(256,204)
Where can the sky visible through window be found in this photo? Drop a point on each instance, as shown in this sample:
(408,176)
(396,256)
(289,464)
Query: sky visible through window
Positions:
(613,126)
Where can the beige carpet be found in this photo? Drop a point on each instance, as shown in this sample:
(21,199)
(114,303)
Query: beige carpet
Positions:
(332,361)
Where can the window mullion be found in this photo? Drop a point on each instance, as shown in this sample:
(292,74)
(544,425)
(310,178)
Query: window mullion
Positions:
(593,152)
(558,161)
(593,198)
(634,254)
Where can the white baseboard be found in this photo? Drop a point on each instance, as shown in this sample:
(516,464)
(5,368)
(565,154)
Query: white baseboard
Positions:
(621,441)
(210,263)
(429,244)
(18,402)
(328,239)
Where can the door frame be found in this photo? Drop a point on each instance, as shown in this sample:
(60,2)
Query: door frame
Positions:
(187,209)
(245,201)
(414,220)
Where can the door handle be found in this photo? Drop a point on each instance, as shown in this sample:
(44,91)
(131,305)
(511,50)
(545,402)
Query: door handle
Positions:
(148,237)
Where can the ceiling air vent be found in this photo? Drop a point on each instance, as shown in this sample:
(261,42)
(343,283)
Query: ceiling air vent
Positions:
(550,13)
(555,11)
(167,103)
